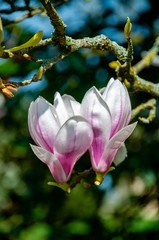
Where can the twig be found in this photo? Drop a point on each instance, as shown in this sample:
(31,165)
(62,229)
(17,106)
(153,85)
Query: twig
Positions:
(141,85)
(146,61)
(42,43)
(25,8)
(26,15)
(45,64)
(20,56)
(80,176)
(16,9)
(100,42)
(135,83)
(56,22)
(130,53)
(151,104)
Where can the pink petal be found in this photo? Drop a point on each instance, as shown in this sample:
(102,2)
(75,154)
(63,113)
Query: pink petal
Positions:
(112,147)
(96,111)
(72,141)
(128,108)
(52,162)
(43,123)
(117,98)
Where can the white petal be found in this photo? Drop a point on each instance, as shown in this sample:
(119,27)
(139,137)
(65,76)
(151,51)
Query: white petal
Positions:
(102,90)
(120,155)
(52,162)
(96,111)
(33,127)
(72,141)
(43,123)
(105,90)
(32,131)
(60,107)
(72,106)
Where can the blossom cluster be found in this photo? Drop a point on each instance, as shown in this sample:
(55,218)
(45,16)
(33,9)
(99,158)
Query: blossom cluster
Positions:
(64,131)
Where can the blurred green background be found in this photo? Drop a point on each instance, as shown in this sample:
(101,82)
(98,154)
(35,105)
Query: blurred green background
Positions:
(126,205)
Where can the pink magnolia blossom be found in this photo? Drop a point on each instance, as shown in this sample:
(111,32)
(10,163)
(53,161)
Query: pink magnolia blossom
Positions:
(62,135)
(109,112)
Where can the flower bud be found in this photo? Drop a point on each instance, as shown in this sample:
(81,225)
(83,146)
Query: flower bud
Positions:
(127,28)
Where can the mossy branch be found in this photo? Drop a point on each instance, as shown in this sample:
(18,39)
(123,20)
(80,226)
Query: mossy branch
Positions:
(56,22)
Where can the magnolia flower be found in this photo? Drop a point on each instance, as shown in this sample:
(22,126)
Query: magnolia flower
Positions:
(108,112)
(62,135)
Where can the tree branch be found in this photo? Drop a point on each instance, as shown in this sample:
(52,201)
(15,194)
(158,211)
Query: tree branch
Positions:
(68,45)
(151,104)
(100,42)
(135,83)
(80,176)
(29,14)
(141,85)
(146,61)
(56,22)
(16,9)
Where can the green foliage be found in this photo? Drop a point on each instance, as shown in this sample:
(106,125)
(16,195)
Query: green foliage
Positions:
(39,231)
(9,68)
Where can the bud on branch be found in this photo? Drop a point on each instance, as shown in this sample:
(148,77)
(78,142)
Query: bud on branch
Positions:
(127,28)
